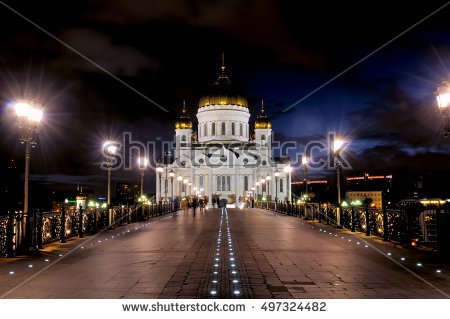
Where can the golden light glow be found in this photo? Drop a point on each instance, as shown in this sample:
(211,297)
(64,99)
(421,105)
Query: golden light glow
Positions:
(28,110)
(443,95)
(432,202)
(183,124)
(288,169)
(304,160)
(337,144)
(222,100)
(263,124)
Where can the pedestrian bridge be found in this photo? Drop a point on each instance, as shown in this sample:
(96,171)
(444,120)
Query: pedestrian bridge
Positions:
(225,253)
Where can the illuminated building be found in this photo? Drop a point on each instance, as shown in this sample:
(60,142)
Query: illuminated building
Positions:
(222,159)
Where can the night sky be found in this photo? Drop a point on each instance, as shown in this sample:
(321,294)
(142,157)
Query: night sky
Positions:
(279,50)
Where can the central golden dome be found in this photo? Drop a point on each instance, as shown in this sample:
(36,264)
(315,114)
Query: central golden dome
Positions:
(222,100)
(222,92)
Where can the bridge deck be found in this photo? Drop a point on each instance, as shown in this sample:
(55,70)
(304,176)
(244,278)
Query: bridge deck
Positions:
(175,257)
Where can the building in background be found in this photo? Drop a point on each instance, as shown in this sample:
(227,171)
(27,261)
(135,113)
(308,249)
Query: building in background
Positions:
(127,193)
(378,188)
(318,190)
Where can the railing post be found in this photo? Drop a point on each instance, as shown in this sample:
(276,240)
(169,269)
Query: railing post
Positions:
(10,252)
(62,228)
(367,221)
(80,222)
(327,214)
(39,229)
(353,219)
(385,225)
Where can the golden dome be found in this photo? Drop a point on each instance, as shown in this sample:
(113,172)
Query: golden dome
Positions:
(222,100)
(184,121)
(222,92)
(262,120)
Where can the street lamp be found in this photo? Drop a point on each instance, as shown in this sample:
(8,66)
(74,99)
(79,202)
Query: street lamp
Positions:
(172,176)
(443,99)
(110,149)
(160,170)
(268,178)
(277,176)
(29,116)
(305,167)
(142,162)
(336,146)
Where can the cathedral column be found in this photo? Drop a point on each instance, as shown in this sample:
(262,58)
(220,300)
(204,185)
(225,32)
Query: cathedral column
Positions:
(210,187)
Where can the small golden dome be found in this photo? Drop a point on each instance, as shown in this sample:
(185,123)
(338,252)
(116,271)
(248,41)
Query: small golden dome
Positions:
(262,120)
(184,121)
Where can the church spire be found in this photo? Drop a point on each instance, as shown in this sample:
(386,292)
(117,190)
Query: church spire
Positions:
(184,121)
(222,80)
(223,62)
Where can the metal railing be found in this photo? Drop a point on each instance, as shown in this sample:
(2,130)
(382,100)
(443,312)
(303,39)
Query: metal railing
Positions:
(409,226)
(21,234)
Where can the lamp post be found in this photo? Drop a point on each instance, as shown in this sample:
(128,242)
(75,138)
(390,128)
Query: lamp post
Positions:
(277,177)
(142,162)
(288,170)
(305,167)
(443,100)
(337,144)
(29,116)
(180,180)
(110,149)
(160,170)
(268,178)
(172,176)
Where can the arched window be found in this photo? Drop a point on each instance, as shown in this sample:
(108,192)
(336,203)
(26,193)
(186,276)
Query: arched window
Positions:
(205,130)
(233,129)
(263,140)
(218,183)
(228,183)
(201,182)
(224,185)
(223,128)
(183,140)
(263,187)
(241,130)
(246,183)
(213,129)
(281,185)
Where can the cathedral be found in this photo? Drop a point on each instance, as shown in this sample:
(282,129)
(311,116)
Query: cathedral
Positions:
(223,159)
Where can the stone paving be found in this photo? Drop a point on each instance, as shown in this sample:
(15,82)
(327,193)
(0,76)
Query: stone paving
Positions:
(247,253)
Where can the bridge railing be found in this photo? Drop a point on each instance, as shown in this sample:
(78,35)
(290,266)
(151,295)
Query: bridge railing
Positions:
(409,226)
(20,234)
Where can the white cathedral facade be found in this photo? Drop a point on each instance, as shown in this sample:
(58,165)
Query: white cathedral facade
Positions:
(223,159)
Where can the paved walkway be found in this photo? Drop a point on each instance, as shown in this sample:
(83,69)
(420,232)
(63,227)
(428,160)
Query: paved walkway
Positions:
(237,253)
